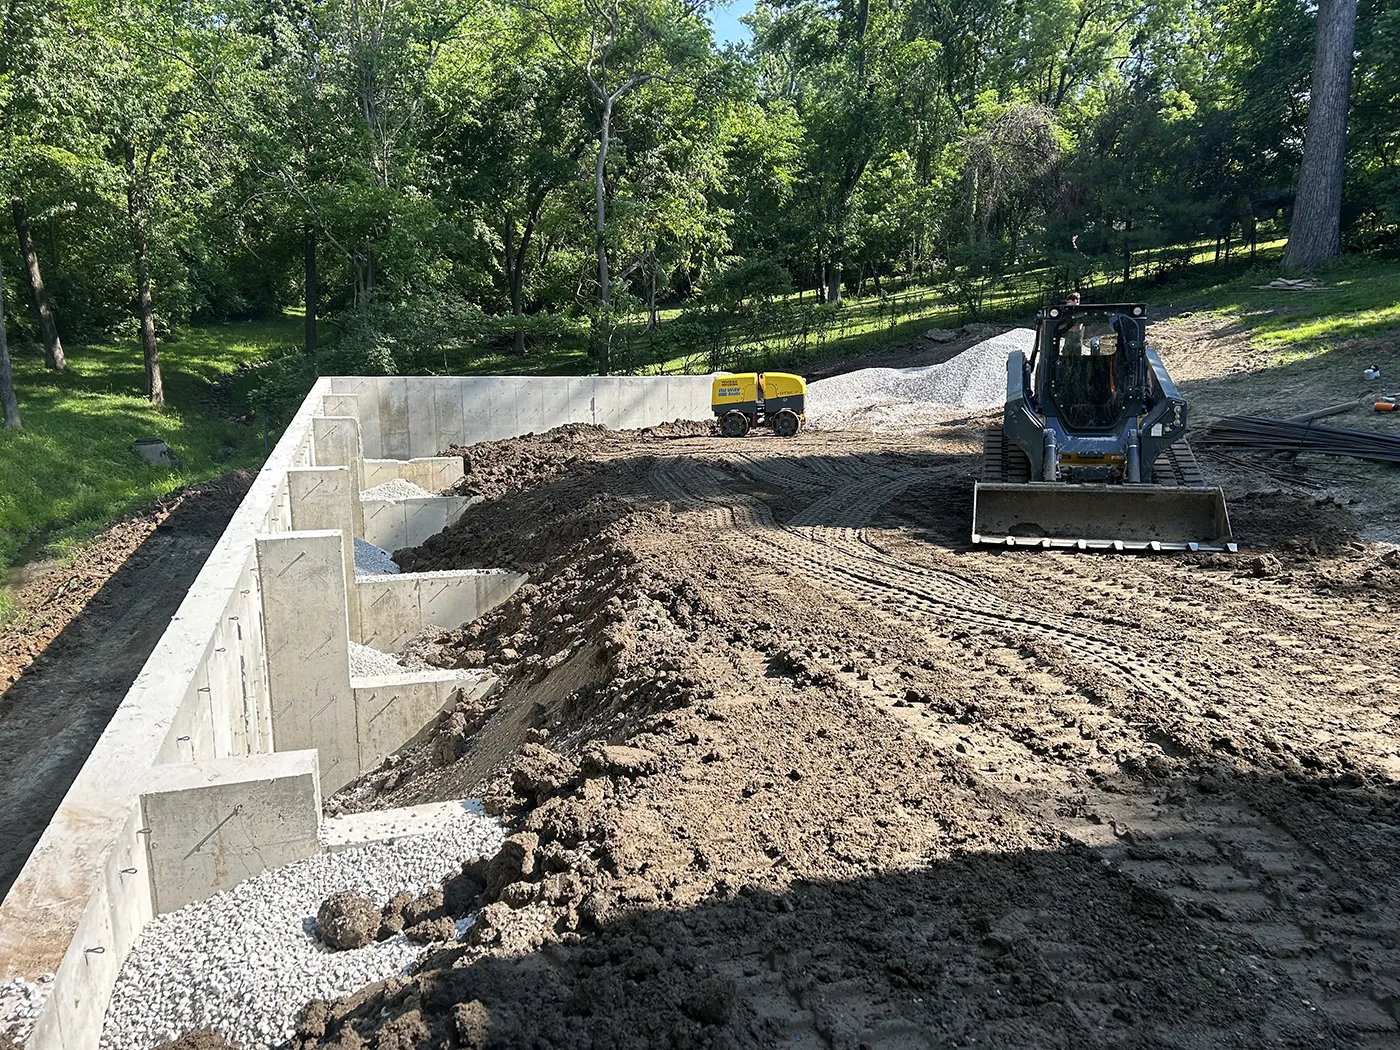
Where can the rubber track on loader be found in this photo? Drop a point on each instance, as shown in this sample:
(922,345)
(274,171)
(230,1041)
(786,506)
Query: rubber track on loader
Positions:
(1005,462)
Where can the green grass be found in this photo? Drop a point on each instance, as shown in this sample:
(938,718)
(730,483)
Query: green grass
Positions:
(72,470)
(1361,299)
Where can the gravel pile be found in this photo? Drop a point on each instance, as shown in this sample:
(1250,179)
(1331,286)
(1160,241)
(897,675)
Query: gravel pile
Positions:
(365,662)
(396,489)
(245,962)
(373,561)
(891,399)
(20,1003)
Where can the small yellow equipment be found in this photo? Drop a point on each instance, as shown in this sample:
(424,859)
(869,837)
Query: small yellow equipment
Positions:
(759,399)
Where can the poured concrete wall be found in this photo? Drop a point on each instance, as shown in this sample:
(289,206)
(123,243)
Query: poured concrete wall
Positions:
(403,417)
(204,695)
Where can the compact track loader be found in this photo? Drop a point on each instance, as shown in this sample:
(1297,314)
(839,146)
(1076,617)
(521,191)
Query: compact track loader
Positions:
(1092,451)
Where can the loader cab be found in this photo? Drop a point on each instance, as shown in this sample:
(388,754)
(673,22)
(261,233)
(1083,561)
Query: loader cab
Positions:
(1088,364)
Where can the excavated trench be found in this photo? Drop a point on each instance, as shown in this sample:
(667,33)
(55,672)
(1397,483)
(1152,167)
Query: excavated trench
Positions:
(784,758)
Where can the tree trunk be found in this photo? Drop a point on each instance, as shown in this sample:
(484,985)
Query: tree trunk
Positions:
(651,293)
(600,341)
(312,298)
(155,388)
(1315,234)
(53,346)
(7,379)
(833,283)
(515,276)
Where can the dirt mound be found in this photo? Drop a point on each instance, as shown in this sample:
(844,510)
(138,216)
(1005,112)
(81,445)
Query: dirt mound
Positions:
(784,759)
(493,468)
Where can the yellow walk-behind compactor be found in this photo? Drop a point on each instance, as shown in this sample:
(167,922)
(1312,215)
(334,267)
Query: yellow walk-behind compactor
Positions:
(1092,452)
(777,400)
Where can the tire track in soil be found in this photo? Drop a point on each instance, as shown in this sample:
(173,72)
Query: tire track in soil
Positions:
(1229,865)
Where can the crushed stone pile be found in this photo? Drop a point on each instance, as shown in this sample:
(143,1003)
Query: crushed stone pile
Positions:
(396,489)
(373,561)
(895,399)
(20,1003)
(244,963)
(365,662)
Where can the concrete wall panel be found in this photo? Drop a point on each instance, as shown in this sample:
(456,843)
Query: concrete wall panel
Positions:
(394,438)
(308,656)
(422,428)
(389,612)
(394,710)
(385,523)
(447,405)
(214,823)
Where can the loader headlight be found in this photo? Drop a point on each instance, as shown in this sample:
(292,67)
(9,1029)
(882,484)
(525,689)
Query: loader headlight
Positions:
(1054,312)
(1137,311)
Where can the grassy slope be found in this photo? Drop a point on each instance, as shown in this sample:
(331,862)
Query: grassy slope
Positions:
(1361,300)
(73,469)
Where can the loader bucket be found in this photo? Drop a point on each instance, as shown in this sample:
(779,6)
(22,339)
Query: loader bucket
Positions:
(1101,517)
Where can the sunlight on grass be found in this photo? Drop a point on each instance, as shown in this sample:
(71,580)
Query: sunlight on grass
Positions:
(73,469)
(1360,299)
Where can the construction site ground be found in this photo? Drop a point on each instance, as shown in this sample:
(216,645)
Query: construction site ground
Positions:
(789,761)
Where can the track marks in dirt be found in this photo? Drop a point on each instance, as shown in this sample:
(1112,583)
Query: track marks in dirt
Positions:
(1166,641)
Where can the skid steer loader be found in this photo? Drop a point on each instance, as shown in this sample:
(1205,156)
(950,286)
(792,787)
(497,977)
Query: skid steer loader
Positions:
(1092,452)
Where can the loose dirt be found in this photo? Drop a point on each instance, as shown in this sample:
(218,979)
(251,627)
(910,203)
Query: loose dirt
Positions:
(787,760)
(85,628)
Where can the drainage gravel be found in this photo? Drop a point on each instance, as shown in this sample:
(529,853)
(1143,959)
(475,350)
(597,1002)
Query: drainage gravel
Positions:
(396,489)
(892,399)
(366,662)
(246,961)
(20,1003)
(373,561)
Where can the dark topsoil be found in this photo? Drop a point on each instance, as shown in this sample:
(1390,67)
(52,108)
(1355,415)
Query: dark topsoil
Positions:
(784,760)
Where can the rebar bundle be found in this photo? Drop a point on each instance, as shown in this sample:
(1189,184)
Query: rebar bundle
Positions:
(1260,434)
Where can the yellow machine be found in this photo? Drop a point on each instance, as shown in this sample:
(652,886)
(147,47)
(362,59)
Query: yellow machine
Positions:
(759,399)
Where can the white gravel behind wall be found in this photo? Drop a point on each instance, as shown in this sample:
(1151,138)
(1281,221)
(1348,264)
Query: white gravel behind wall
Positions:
(20,1003)
(396,489)
(894,399)
(366,662)
(246,961)
(373,561)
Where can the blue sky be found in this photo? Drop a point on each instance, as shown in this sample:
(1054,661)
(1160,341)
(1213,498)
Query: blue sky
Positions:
(726,22)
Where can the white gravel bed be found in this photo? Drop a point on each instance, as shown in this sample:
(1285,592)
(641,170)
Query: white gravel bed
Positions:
(366,662)
(373,561)
(20,1003)
(396,489)
(246,961)
(892,399)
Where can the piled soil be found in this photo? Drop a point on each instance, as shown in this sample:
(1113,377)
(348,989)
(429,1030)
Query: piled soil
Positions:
(84,630)
(785,760)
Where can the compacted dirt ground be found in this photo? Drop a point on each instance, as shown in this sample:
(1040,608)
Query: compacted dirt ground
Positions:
(84,631)
(787,761)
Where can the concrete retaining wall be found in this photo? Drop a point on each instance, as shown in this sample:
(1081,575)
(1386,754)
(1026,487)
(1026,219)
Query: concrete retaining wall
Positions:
(404,417)
(204,704)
